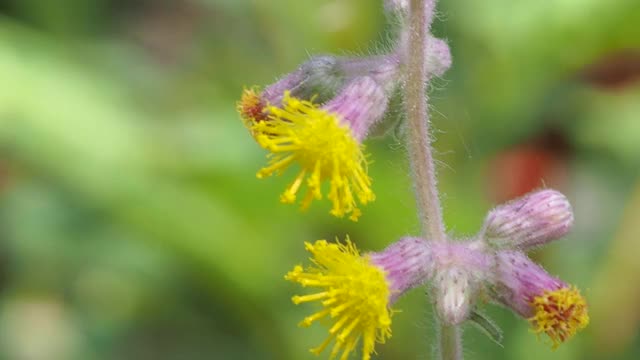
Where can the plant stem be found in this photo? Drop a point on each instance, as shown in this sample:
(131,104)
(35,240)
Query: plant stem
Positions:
(450,342)
(420,151)
(419,139)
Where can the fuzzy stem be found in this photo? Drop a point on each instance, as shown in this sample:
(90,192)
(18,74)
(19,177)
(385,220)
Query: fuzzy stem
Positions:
(418,137)
(450,342)
(420,152)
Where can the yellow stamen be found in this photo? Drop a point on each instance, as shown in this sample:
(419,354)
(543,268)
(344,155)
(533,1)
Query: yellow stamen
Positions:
(300,299)
(356,297)
(559,314)
(310,319)
(320,348)
(324,148)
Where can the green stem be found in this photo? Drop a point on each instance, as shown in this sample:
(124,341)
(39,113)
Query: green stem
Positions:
(450,343)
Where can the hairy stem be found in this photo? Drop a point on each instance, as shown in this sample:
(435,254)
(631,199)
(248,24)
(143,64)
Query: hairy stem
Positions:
(450,343)
(420,152)
(418,137)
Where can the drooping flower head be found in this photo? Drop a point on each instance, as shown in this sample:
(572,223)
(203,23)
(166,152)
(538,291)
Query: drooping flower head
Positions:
(320,78)
(551,306)
(325,142)
(356,291)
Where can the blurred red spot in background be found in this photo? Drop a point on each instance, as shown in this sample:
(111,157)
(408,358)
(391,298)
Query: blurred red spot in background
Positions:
(537,162)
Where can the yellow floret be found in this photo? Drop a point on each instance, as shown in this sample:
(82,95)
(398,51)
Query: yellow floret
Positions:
(325,149)
(559,314)
(354,294)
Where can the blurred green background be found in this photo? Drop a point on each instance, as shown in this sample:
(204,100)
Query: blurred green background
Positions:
(132,223)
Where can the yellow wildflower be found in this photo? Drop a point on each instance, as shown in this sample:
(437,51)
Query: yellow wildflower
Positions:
(326,150)
(354,293)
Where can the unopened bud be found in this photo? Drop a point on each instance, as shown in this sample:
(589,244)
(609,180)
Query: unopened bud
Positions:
(453,290)
(529,221)
(460,269)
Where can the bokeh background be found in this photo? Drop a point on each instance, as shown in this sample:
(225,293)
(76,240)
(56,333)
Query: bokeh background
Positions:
(132,223)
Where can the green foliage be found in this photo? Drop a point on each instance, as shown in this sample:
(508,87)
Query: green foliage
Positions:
(132,222)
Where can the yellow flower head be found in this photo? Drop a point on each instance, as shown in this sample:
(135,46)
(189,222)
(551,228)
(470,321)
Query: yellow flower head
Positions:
(354,294)
(326,150)
(560,314)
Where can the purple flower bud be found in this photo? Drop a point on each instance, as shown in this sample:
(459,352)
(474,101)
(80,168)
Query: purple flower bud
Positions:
(407,263)
(529,221)
(460,269)
(360,105)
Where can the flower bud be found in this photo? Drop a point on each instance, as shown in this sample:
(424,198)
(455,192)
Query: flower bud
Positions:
(453,292)
(529,221)
(460,268)
(551,306)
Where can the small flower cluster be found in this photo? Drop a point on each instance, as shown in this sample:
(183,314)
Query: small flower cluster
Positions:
(357,291)
(315,119)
